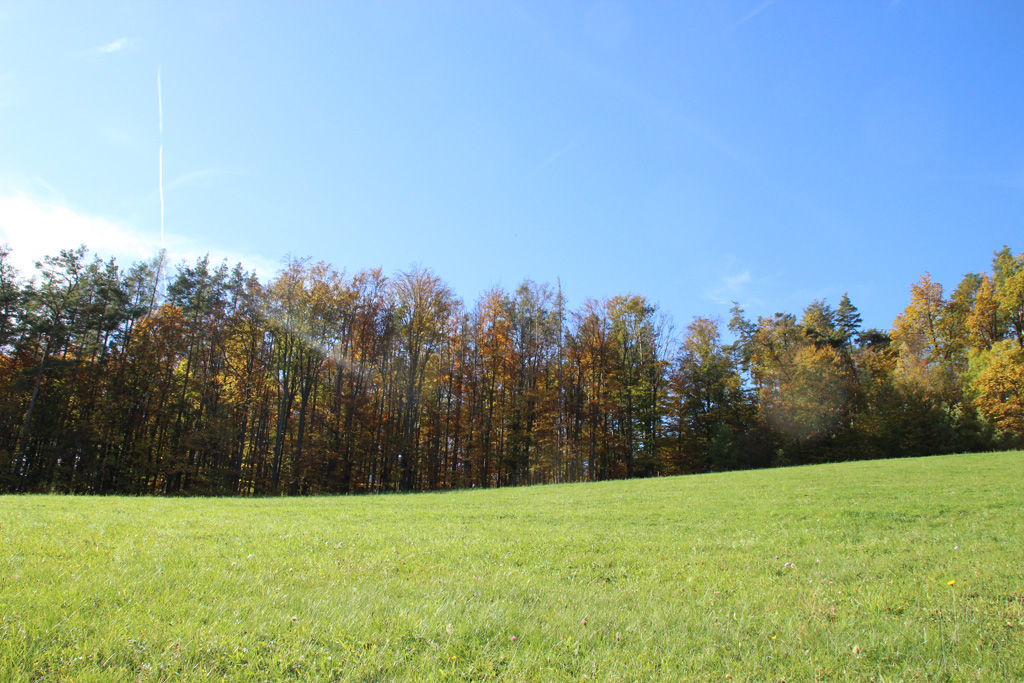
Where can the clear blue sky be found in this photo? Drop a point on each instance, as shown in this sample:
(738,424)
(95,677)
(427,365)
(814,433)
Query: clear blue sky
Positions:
(694,152)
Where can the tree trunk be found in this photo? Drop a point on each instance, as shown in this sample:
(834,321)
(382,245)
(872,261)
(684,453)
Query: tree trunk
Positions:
(22,460)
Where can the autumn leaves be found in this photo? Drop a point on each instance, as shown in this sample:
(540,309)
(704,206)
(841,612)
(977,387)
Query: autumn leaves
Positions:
(211,381)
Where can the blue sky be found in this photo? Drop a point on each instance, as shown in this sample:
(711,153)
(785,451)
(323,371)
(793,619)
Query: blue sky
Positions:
(770,152)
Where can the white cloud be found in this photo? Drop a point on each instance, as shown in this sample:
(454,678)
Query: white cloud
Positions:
(731,285)
(201,178)
(734,282)
(35,228)
(115,46)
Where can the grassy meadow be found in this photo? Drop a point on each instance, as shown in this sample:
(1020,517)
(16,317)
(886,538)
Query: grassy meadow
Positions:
(899,570)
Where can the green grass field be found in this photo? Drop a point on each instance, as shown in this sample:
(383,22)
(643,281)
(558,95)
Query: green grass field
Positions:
(901,570)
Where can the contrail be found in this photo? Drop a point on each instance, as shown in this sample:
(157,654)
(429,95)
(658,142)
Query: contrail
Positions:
(551,159)
(750,15)
(160,111)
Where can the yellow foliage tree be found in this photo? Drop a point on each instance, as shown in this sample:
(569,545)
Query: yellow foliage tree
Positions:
(999,387)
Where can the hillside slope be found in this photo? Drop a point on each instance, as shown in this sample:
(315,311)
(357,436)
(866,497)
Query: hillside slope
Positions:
(891,570)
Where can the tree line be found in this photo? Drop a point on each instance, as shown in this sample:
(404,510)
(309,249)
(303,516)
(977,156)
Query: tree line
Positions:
(209,381)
